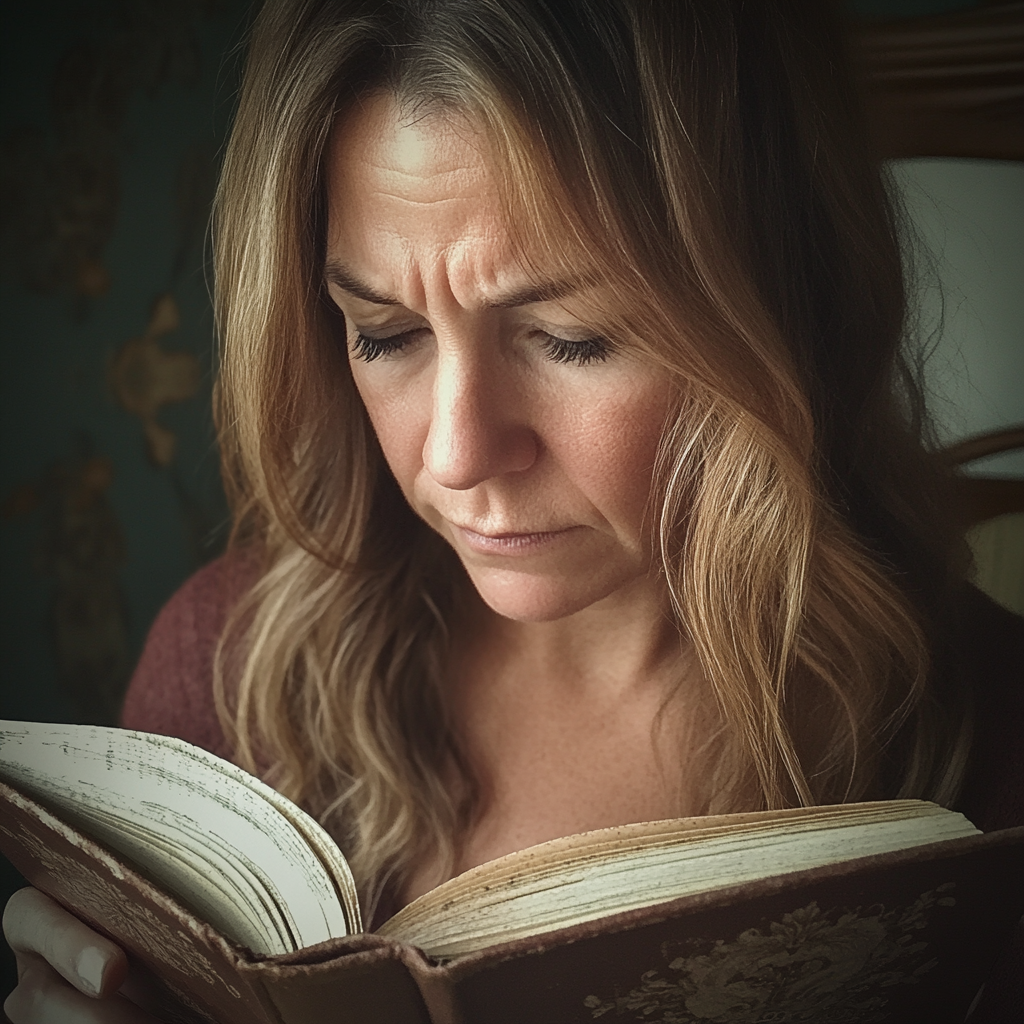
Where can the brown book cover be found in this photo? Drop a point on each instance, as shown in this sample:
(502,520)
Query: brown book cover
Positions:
(899,937)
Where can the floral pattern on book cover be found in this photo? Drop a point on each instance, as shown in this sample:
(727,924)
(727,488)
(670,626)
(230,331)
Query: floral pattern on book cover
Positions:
(822,967)
(134,923)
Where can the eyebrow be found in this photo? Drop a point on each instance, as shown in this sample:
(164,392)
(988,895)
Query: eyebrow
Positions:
(344,278)
(548,291)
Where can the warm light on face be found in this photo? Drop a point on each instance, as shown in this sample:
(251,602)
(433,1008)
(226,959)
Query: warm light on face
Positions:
(526,440)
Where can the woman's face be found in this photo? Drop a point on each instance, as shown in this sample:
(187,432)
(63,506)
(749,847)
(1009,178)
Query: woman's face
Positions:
(526,441)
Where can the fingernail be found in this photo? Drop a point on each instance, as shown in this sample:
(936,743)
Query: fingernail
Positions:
(90,969)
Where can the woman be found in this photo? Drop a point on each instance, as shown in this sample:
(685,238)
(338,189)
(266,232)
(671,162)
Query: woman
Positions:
(579,471)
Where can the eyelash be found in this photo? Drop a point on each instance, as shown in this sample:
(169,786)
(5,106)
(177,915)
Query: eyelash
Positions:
(582,353)
(369,349)
(559,350)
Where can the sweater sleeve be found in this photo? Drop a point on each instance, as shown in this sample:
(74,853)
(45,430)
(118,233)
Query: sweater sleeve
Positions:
(171,691)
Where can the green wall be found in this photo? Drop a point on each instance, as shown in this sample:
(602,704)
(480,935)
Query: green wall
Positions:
(969,218)
(111,122)
(112,115)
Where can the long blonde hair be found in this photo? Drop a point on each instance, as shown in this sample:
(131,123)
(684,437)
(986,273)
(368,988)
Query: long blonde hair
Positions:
(714,161)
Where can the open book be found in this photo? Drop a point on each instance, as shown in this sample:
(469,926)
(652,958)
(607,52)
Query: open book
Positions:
(246,909)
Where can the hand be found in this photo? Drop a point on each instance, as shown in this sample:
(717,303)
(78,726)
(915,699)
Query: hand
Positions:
(67,973)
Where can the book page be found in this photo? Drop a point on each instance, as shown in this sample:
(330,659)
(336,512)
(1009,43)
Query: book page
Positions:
(199,827)
(314,835)
(582,878)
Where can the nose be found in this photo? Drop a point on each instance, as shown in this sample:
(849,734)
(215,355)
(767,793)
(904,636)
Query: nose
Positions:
(479,426)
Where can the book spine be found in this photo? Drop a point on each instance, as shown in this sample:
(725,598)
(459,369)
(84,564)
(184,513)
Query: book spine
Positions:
(363,980)
(436,988)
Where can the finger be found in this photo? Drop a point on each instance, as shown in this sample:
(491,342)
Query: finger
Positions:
(43,997)
(33,923)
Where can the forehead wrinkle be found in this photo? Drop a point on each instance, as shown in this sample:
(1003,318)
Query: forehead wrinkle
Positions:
(436,201)
(415,168)
(529,294)
(401,168)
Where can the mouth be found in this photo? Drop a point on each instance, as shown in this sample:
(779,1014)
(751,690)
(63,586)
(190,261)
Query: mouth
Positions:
(511,543)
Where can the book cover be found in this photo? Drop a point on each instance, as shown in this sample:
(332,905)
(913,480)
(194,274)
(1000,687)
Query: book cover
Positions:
(900,937)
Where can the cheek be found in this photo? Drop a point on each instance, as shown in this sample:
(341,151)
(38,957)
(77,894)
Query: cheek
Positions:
(400,429)
(614,452)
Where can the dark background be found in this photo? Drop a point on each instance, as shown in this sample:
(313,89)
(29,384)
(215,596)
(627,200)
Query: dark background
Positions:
(113,114)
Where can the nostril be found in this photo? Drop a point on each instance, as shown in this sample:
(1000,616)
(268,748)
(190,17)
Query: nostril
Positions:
(462,452)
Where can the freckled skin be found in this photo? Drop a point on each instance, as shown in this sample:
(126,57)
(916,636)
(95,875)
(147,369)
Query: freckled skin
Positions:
(536,471)
(480,427)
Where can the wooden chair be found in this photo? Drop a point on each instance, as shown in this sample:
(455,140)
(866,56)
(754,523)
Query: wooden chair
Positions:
(952,85)
(988,497)
(945,85)
(994,509)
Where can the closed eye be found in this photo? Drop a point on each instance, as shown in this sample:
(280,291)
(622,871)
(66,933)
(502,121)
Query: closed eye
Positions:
(558,350)
(582,353)
(368,349)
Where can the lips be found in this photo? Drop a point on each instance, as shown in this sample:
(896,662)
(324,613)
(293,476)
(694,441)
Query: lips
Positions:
(510,542)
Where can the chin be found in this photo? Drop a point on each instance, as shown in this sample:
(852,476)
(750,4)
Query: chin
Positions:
(528,598)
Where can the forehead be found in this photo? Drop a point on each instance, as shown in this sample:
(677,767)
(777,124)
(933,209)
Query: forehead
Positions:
(387,145)
(427,173)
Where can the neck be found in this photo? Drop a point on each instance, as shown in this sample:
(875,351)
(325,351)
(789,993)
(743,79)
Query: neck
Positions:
(626,642)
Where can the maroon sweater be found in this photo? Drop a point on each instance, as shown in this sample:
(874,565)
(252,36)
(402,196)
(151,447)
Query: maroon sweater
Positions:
(171,694)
